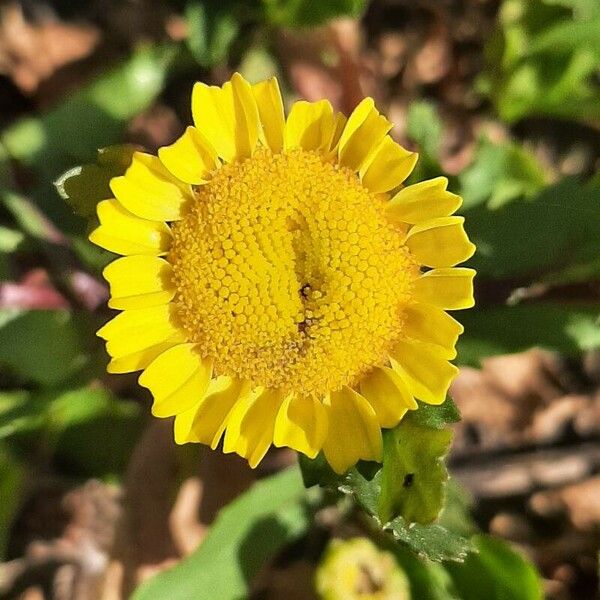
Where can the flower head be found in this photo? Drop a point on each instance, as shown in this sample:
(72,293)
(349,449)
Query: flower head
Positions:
(279,284)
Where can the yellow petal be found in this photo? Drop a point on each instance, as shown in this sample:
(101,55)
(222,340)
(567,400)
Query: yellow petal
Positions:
(177,379)
(270,110)
(149,191)
(133,331)
(139,281)
(212,114)
(340,123)
(354,432)
(251,425)
(124,233)
(427,375)
(301,424)
(440,242)
(388,166)
(310,126)
(450,289)
(363,132)
(432,325)
(422,201)
(182,426)
(227,116)
(211,415)
(246,119)
(388,395)
(142,358)
(191,158)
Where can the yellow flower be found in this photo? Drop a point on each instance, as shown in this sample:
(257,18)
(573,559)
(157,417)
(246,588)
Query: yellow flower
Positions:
(279,285)
(356,569)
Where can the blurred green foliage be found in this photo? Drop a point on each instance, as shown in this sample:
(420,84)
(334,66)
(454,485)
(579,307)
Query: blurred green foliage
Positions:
(544,59)
(495,571)
(532,235)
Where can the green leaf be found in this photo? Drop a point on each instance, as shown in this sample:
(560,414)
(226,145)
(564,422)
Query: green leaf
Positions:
(365,488)
(544,58)
(433,541)
(244,536)
(568,36)
(428,580)
(410,481)
(27,216)
(499,174)
(553,237)
(413,474)
(84,186)
(18,413)
(92,118)
(506,329)
(10,239)
(93,432)
(582,9)
(457,513)
(423,126)
(495,572)
(12,478)
(316,471)
(309,13)
(409,485)
(90,431)
(212,27)
(44,346)
(23,411)
(436,417)
(259,64)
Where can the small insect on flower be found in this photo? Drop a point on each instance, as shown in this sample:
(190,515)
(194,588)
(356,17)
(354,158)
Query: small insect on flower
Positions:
(279,284)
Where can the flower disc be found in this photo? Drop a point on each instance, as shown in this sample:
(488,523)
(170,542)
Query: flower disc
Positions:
(289,275)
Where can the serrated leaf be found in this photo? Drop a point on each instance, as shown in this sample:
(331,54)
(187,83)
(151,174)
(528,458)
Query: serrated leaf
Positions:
(495,572)
(569,329)
(366,490)
(244,536)
(410,481)
(430,541)
(413,476)
(82,187)
(436,417)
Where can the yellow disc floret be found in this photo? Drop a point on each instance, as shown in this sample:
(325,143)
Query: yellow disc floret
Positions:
(289,275)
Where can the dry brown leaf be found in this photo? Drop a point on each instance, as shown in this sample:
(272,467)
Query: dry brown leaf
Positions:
(31,52)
